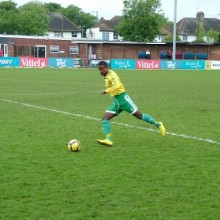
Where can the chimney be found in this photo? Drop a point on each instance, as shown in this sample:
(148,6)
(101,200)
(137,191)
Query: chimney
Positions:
(200,27)
(200,16)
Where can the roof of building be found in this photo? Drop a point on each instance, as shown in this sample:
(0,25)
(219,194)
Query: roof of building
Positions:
(5,40)
(184,26)
(190,25)
(166,30)
(59,22)
(108,25)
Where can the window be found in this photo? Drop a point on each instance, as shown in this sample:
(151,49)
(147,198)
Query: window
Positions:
(74,50)
(184,37)
(105,36)
(24,51)
(54,49)
(74,34)
(57,34)
(115,36)
(40,51)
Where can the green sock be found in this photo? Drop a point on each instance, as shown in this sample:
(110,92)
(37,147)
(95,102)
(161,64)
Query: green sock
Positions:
(149,119)
(106,127)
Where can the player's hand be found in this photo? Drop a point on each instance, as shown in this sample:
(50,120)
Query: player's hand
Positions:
(103,92)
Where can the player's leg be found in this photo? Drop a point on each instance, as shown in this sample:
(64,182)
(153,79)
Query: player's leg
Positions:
(130,107)
(151,120)
(106,128)
(111,112)
(145,117)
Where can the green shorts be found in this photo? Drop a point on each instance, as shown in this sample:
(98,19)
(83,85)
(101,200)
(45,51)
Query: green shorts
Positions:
(120,103)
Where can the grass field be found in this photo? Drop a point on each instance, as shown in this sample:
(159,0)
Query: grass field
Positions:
(143,176)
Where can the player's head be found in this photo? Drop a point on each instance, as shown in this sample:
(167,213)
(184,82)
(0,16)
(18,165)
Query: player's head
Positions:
(103,67)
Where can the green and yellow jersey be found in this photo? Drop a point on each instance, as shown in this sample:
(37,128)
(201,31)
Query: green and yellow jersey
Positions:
(113,84)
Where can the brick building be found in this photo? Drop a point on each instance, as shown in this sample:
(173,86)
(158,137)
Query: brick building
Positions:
(87,49)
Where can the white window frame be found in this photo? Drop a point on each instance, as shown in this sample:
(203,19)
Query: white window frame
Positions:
(57,34)
(54,49)
(185,37)
(74,34)
(105,36)
(74,49)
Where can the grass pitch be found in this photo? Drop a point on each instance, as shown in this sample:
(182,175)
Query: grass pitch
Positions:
(143,176)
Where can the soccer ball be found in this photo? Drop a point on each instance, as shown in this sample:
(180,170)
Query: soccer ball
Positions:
(74,145)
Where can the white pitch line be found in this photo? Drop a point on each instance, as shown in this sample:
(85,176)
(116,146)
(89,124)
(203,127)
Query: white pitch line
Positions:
(47,93)
(117,123)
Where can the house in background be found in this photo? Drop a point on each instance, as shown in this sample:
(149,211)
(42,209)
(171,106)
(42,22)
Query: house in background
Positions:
(105,30)
(61,26)
(163,33)
(188,28)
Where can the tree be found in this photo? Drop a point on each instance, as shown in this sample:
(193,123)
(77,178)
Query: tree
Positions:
(212,36)
(142,20)
(7,6)
(33,19)
(169,38)
(52,7)
(8,18)
(200,31)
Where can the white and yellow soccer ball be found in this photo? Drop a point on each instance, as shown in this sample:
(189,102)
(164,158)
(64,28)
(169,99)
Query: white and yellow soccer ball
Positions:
(74,145)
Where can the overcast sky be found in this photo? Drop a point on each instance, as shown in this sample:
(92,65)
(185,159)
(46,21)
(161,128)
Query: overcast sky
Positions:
(110,8)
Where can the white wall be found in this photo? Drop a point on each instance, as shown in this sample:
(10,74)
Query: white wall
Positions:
(65,34)
(159,39)
(95,33)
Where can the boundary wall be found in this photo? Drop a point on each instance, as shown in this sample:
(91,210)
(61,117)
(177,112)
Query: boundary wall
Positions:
(144,64)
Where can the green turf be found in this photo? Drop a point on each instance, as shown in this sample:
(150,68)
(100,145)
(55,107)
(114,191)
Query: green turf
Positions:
(143,176)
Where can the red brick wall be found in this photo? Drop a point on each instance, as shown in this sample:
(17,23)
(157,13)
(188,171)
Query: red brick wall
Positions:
(131,51)
(64,45)
(114,50)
